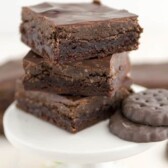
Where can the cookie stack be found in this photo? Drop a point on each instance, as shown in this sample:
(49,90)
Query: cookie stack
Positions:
(143,117)
(77,72)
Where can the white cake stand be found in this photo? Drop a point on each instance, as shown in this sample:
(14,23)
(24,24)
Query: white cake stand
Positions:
(90,146)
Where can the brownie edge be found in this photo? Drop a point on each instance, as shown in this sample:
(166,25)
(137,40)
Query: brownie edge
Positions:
(93,77)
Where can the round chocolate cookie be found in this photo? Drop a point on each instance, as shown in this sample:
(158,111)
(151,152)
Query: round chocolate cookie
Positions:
(127,130)
(149,107)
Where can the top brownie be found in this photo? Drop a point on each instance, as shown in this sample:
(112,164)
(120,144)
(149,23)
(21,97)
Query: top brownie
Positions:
(72,32)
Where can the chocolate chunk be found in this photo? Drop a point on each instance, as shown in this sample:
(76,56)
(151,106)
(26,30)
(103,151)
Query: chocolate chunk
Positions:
(68,112)
(148,107)
(72,32)
(130,131)
(94,77)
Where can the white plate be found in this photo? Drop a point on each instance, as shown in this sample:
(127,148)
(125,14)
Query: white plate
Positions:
(92,145)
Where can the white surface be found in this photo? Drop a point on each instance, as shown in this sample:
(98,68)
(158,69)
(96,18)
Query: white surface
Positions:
(156,157)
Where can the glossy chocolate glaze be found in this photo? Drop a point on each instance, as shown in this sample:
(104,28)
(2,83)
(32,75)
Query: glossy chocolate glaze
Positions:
(63,14)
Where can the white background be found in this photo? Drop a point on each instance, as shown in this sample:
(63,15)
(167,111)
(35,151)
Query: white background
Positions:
(153,48)
(153,18)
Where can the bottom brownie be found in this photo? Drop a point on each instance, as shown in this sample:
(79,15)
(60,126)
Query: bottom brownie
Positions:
(68,112)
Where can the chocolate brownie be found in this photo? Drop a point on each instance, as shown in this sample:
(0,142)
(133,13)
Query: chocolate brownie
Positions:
(68,112)
(94,77)
(149,107)
(9,72)
(130,131)
(151,75)
(71,32)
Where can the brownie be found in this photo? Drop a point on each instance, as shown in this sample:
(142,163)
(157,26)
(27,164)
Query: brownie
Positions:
(151,75)
(9,72)
(94,77)
(68,112)
(70,32)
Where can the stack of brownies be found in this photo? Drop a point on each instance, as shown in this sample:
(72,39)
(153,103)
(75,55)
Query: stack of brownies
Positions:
(77,72)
